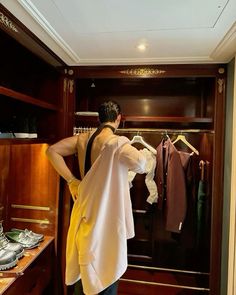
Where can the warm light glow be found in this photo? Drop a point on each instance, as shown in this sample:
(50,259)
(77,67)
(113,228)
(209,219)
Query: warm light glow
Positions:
(142,47)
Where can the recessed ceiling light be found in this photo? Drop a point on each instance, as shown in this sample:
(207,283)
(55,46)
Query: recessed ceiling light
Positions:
(142,47)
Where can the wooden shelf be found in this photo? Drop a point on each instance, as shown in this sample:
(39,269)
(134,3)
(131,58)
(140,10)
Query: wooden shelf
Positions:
(27,99)
(8,277)
(26,140)
(149,121)
(142,240)
(138,257)
(166,119)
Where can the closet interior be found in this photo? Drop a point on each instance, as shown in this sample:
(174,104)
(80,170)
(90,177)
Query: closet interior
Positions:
(41,96)
(183,105)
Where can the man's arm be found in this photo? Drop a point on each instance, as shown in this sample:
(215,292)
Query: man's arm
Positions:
(56,154)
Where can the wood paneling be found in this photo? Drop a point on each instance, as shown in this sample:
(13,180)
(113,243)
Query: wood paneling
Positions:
(32,91)
(4,178)
(32,183)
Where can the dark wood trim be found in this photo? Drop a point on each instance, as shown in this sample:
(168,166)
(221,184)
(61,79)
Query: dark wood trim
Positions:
(148,71)
(217,191)
(29,40)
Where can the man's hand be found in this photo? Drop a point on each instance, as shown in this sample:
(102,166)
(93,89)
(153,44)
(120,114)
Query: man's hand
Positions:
(73,187)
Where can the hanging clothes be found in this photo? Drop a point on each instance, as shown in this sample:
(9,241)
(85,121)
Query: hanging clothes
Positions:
(188,233)
(149,179)
(201,207)
(171,184)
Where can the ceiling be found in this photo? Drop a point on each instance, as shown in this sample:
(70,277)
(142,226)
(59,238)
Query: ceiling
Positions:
(107,32)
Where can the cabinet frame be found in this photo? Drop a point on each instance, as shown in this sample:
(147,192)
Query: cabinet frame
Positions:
(218,73)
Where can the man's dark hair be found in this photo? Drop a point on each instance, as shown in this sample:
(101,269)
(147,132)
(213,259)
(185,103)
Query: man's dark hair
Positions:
(108,111)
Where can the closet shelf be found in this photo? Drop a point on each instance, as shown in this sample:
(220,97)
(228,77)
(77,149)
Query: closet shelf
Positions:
(25,140)
(166,119)
(142,240)
(27,99)
(86,116)
(8,277)
(151,122)
(138,257)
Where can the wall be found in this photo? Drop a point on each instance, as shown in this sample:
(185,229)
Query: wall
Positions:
(229,209)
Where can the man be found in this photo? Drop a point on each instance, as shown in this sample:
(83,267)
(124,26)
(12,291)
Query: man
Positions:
(101,219)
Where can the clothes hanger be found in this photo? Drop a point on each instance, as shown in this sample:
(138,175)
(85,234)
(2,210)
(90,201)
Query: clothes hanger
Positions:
(165,135)
(182,138)
(139,139)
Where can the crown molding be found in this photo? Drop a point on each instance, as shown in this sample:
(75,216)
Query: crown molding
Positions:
(146,61)
(39,18)
(226,49)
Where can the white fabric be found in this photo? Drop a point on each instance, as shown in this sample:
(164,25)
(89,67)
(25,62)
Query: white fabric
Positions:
(149,179)
(102,219)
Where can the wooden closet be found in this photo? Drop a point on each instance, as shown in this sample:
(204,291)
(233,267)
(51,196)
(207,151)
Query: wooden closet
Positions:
(156,102)
(33,93)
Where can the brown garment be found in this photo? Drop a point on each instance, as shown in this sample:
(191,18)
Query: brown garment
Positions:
(171,184)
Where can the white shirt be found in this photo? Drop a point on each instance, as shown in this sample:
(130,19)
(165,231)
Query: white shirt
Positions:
(150,173)
(102,219)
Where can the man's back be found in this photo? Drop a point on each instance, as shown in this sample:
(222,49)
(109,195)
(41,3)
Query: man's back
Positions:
(97,146)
